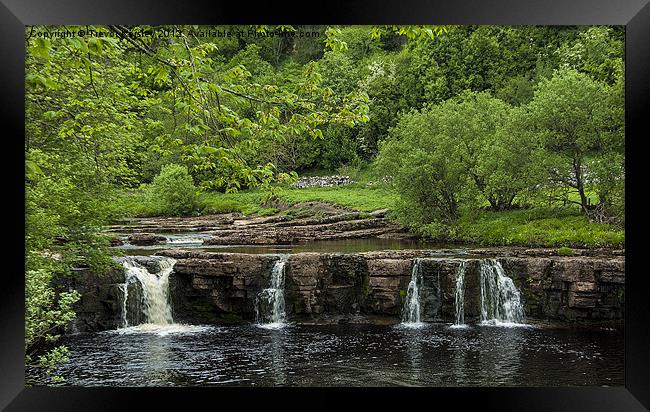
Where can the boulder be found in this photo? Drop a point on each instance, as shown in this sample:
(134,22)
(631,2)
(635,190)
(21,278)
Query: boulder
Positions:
(146,239)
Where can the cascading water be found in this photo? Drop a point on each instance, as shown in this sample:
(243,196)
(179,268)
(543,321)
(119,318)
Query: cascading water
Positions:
(124,287)
(269,305)
(185,239)
(459,295)
(500,299)
(411,309)
(154,288)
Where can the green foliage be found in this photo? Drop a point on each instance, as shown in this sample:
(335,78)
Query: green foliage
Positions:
(475,148)
(597,52)
(214,206)
(579,122)
(565,251)
(46,313)
(172,192)
(453,152)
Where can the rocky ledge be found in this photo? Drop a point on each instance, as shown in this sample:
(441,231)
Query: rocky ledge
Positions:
(312,221)
(210,287)
(323,286)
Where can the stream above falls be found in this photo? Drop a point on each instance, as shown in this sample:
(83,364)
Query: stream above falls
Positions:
(194,241)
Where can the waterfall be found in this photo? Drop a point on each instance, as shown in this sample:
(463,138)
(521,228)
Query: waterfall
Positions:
(154,288)
(269,305)
(459,294)
(411,309)
(124,288)
(500,299)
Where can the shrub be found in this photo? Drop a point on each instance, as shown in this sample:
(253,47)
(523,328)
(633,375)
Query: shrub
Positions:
(172,192)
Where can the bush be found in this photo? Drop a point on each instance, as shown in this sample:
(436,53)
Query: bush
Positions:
(172,192)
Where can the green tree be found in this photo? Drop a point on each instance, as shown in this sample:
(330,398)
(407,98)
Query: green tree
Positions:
(493,153)
(425,167)
(597,51)
(579,123)
(172,192)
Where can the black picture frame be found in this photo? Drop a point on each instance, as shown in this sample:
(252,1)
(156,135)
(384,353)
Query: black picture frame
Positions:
(634,14)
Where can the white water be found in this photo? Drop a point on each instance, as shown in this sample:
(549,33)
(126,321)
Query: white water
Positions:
(411,309)
(162,330)
(154,299)
(269,305)
(184,240)
(500,299)
(124,287)
(459,295)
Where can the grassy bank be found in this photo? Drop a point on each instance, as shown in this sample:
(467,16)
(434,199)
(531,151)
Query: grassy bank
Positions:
(539,226)
(363,198)
(547,227)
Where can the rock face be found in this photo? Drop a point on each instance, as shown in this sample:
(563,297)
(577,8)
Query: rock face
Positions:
(99,307)
(217,287)
(175,224)
(570,287)
(146,239)
(209,287)
(324,286)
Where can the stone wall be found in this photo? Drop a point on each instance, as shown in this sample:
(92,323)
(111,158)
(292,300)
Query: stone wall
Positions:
(208,287)
(322,181)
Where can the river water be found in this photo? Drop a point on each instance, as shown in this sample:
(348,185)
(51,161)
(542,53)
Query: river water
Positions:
(345,354)
(194,242)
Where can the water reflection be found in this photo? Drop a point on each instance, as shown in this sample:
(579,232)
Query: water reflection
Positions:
(157,365)
(500,353)
(459,348)
(277,356)
(413,349)
(358,355)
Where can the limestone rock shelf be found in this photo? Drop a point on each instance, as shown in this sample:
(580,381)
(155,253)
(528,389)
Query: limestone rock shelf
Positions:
(210,287)
(312,222)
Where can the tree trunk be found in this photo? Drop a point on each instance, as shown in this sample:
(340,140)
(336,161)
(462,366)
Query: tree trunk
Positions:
(580,185)
(500,203)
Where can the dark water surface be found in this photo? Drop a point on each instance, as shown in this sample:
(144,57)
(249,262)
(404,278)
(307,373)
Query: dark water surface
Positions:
(355,355)
(194,241)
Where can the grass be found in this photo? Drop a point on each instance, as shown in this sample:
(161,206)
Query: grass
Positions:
(565,251)
(365,199)
(357,197)
(247,203)
(547,227)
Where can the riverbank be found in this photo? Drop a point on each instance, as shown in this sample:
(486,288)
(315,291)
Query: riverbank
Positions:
(539,226)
